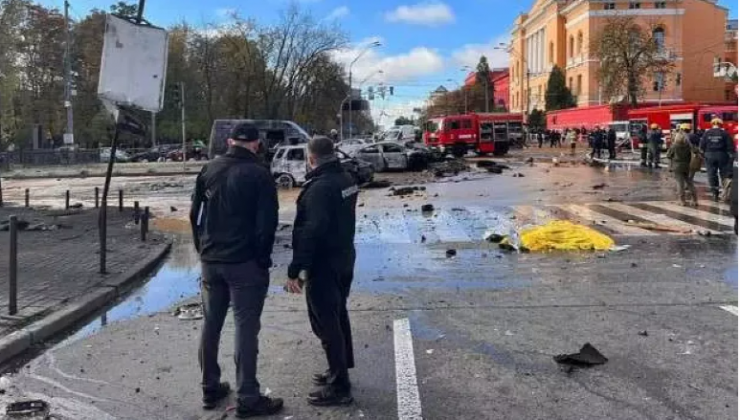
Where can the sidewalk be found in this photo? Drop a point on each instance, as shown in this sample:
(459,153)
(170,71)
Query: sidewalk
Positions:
(99,170)
(58,279)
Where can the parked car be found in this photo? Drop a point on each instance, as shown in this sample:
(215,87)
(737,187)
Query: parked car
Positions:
(289,166)
(196,151)
(351,145)
(391,155)
(121,156)
(154,154)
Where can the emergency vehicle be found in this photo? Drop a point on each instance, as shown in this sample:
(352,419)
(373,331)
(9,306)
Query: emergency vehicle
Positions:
(479,133)
(698,115)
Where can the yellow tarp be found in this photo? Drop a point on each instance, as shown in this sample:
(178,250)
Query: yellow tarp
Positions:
(563,235)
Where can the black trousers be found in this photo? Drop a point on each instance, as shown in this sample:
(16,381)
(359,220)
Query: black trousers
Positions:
(717,169)
(327,291)
(612,149)
(245,286)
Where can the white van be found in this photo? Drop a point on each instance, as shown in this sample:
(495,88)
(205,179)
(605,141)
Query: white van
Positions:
(400,133)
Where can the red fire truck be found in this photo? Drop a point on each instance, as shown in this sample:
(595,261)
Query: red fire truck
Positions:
(698,115)
(480,133)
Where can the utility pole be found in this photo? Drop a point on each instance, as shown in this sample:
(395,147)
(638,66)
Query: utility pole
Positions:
(351,99)
(154,129)
(182,119)
(69,134)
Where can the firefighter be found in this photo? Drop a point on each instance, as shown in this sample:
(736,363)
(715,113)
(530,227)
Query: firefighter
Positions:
(643,137)
(597,142)
(655,143)
(696,158)
(611,143)
(680,156)
(323,263)
(717,148)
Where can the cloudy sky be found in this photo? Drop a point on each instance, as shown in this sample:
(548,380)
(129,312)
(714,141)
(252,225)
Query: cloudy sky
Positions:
(425,44)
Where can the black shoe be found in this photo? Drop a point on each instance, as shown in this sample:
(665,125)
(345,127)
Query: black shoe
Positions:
(715,197)
(211,398)
(321,379)
(265,406)
(330,396)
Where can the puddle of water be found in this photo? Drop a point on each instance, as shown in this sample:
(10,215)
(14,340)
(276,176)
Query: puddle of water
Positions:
(176,280)
(730,276)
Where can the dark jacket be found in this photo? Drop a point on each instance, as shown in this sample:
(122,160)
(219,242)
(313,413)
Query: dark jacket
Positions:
(324,228)
(680,154)
(694,139)
(234,214)
(611,137)
(655,137)
(716,140)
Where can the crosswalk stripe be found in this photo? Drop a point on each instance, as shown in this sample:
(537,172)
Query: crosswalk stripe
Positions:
(612,223)
(727,221)
(731,309)
(660,219)
(395,230)
(710,203)
(702,224)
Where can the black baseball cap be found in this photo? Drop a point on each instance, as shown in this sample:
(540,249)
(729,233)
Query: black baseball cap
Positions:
(245,132)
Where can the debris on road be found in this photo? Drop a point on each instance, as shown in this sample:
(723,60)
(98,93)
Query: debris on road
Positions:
(427,208)
(377,185)
(643,333)
(617,248)
(190,311)
(599,186)
(449,167)
(451,253)
(529,161)
(656,227)
(518,175)
(76,206)
(173,209)
(494,237)
(588,356)
(562,235)
(29,409)
(402,191)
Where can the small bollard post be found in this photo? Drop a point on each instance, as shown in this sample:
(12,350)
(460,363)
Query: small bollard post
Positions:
(144,224)
(66,200)
(137,216)
(28,197)
(120,200)
(97,197)
(13,266)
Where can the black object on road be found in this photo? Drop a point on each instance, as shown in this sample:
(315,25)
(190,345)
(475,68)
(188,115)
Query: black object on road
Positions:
(588,356)
(451,253)
(426,208)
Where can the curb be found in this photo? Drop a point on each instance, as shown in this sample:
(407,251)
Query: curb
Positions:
(102,294)
(130,175)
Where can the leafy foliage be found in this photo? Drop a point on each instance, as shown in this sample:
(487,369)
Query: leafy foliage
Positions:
(558,96)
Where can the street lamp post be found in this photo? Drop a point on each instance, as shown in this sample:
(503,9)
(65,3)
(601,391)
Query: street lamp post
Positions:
(364,50)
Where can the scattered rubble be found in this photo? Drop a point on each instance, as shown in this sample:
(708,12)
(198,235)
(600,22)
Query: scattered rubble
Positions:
(76,206)
(28,409)
(190,311)
(403,191)
(173,209)
(377,185)
(518,175)
(599,186)
(588,356)
(449,167)
(427,208)
(451,253)
(643,333)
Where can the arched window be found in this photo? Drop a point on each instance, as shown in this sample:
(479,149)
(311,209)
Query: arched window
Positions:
(571,46)
(551,53)
(580,43)
(659,38)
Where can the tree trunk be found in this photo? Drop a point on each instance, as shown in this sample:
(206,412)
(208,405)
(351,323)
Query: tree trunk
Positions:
(632,89)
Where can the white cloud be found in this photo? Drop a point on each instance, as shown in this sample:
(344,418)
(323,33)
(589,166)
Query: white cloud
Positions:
(469,54)
(415,63)
(429,14)
(338,13)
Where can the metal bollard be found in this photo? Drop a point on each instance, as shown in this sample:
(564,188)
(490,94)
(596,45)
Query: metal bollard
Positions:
(120,200)
(97,197)
(28,197)
(66,200)
(144,224)
(137,215)
(13,266)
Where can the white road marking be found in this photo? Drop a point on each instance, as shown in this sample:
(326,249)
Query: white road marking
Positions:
(658,218)
(611,222)
(699,214)
(407,388)
(710,203)
(731,309)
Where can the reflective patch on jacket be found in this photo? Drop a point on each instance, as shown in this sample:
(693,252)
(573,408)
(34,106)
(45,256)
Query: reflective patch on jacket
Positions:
(348,192)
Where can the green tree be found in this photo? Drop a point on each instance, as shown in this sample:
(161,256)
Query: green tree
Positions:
(483,77)
(558,96)
(124,9)
(536,120)
(404,121)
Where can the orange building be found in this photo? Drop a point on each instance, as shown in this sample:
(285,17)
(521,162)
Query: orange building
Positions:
(499,82)
(691,33)
(731,57)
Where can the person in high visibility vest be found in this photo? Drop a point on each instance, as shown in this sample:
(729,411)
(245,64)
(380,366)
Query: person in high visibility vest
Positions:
(718,150)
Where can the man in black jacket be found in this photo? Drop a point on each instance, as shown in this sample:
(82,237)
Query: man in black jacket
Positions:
(323,261)
(234,217)
(718,150)
(611,143)
(655,145)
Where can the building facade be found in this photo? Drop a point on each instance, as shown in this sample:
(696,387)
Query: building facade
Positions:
(691,34)
(499,82)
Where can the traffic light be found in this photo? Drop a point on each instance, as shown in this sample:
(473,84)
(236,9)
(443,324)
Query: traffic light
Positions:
(390,90)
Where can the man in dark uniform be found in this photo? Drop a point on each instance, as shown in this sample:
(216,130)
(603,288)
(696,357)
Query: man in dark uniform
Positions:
(655,144)
(611,143)
(642,137)
(597,140)
(323,261)
(234,217)
(718,149)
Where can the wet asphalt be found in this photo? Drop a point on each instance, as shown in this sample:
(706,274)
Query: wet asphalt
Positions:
(485,324)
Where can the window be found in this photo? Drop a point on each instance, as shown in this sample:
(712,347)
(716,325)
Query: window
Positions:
(551,53)
(296,154)
(371,149)
(658,82)
(392,148)
(659,38)
(660,5)
(708,117)
(609,6)
(279,154)
(729,116)
(634,5)
(579,86)
(454,124)
(678,79)
(572,46)
(467,124)
(580,43)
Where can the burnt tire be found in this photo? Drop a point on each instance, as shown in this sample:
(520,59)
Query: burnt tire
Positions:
(285,181)
(458,151)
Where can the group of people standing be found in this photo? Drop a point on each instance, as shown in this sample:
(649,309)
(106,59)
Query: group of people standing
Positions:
(234,218)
